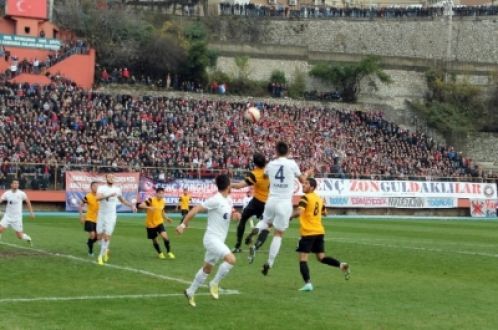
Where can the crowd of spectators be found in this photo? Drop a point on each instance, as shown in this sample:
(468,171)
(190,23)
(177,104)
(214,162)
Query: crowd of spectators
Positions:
(61,126)
(230,9)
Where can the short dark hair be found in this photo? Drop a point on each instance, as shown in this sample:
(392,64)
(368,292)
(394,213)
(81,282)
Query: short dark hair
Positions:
(222,182)
(158,190)
(93,182)
(282,148)
(312,182)
(259,160)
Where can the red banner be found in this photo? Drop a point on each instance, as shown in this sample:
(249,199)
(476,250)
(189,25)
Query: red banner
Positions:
(27,8)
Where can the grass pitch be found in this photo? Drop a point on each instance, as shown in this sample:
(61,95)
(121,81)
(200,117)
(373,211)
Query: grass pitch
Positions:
(406,274)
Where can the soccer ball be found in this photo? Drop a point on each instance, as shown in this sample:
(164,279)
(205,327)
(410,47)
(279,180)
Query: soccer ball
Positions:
(252,114)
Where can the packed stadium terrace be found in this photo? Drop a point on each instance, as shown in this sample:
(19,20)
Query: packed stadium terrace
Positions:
(62,126)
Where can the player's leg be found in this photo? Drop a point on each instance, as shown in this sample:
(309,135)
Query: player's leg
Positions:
(264,224)
(305,272)
(152,235)
(263,234)
(91,228)
(241,227)
(184,213)
(17,226)
(283,211)
(227,264)
(199,279)
(304,248)
(319,249)
(210,260)
(167,244)
(105,228)
(100,237)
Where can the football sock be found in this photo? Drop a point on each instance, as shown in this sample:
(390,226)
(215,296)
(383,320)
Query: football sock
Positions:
(274,248)
(263,235)
(166,245)
(103,247)
(156,246)
(305,272)
(223,270)
(199,279)
(330,261)
(89,243)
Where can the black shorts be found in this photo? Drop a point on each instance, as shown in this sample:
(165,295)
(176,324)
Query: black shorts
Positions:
(153,232)
(184,212)
(254,208)
(314,244)
(90,226)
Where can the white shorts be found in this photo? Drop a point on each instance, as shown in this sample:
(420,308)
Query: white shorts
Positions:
(216,250)
(277,213)
(106,224)
(13,222)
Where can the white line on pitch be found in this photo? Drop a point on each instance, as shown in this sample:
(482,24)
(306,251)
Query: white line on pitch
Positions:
(391,246)
(126,268)
(107,297)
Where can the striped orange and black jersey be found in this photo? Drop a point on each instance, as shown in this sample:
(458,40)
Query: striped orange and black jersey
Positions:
(92,203)
(184,202)
(261,183)
(155,215)
(311,217)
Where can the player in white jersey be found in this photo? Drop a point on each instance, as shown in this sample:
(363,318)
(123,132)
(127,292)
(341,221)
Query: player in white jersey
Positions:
(220,211)
(13,211)
(108,196)
(278,209)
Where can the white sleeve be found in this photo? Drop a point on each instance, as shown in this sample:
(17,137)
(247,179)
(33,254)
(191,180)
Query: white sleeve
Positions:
(4,197)
(297,171)
(119,193)
(211,203)
(24,196)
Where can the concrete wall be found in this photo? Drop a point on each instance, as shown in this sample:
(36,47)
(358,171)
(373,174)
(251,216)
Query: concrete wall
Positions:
(473,41)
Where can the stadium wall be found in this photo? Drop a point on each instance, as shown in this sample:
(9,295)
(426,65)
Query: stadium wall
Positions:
(407,42)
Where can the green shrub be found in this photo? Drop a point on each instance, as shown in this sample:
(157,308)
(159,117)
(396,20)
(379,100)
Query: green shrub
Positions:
(278,76)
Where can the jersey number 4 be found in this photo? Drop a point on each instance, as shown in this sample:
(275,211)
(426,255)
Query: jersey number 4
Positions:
(280,174)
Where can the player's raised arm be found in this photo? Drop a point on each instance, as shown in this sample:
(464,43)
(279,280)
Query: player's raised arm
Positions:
(129,204)
(306,174)
(192,213)
(239,185)
(300,208)
(145,205)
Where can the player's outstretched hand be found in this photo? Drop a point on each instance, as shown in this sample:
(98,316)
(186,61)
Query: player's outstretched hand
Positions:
(180,229)
(169,220)
(82,218)
(134,209)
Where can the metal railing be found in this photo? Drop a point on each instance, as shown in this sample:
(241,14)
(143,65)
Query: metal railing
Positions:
(51,176)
